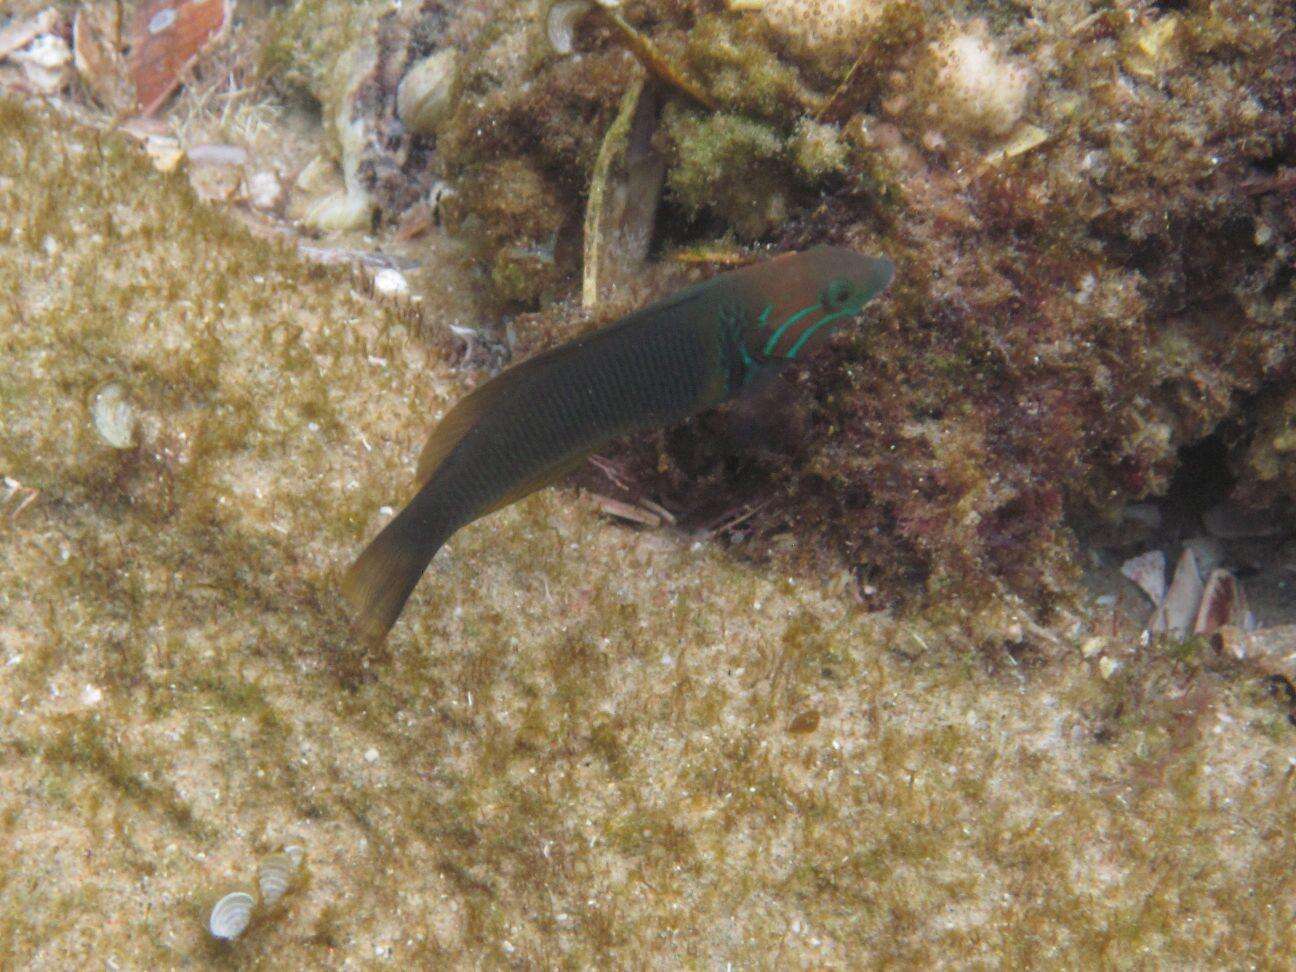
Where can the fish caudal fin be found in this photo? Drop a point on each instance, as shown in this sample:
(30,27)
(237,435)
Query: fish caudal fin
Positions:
(382,578)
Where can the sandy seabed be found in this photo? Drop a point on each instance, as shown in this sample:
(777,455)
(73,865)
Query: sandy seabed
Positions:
(584,745)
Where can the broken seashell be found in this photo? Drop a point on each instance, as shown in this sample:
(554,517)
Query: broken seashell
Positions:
(276,873)
(426,93)
(1223,602)
(1025,138)
(114,416)
(390,283)
(1147,570)
(317,176)
(1154,49)
(625,511)
(164,152)
(560,23)
(19,33)
(624,192)
(1176,613)
(340,211)
(1093,646)
(167,37)
(264,190)
(231,915)
(44,62)
(216,154)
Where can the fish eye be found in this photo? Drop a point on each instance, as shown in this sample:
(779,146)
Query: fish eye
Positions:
(837,294)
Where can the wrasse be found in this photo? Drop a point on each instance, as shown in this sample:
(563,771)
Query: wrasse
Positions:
(529,426)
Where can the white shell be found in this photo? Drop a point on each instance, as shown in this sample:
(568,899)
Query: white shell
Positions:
(114,416)
(1148,572)
(390,283)
(560,23)
(230,915)
(1223,602)
(1176,613)
(296,852)
(275,876)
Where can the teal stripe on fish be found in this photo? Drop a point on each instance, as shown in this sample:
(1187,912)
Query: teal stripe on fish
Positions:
(810,331)
(774,338)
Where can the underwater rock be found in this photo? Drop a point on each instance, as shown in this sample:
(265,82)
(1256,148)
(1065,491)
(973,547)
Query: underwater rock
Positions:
(1233,521)
(827,34)
(818,149)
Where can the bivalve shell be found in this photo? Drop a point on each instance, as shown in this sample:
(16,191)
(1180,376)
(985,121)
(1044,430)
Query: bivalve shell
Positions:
(426,93)
(230,915)
(114,415)
(275,875)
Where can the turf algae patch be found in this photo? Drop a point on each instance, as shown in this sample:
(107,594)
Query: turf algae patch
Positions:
(578,749)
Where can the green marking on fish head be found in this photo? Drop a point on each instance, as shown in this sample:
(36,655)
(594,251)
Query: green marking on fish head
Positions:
(815,292)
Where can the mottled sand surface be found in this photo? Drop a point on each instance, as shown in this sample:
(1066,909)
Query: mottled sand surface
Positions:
(584,745)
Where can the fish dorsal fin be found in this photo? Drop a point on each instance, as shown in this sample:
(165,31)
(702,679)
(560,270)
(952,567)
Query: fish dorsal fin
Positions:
(485,398)
(461,418)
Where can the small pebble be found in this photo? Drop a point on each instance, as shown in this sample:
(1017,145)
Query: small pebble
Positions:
(391,283)
(371,755)
(264,190)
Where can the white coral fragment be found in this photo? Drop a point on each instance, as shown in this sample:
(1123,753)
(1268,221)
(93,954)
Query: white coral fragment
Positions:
(981,90)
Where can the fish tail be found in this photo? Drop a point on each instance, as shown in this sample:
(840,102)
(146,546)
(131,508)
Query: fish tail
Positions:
(384,575)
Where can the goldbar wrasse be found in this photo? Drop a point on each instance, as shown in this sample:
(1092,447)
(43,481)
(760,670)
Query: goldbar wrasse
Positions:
(530,425)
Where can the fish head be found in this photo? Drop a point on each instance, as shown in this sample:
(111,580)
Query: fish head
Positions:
(812,293)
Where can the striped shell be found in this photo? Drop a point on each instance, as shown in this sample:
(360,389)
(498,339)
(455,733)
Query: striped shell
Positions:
(275,876)
(230,915)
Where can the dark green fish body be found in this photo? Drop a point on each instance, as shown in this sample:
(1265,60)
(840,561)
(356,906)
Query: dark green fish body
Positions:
(530,425)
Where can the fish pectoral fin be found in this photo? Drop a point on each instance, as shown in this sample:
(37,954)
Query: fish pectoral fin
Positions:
(537,482)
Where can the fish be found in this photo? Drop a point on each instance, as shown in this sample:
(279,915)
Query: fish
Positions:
(535,422)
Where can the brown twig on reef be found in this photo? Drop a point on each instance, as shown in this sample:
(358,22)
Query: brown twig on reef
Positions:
(729,524)
(654,61)
(841,88)
(625,511)
(610,470)
(1283,179)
